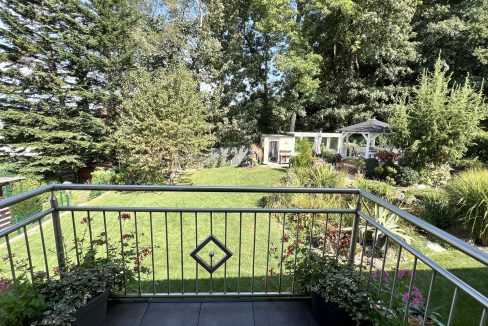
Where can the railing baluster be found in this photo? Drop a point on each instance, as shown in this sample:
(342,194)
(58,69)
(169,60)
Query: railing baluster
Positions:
(324,245)
(12,266)
(363,246)
(43,243)
(409,298)
(281,254)
(453,307)
(240,247)
(372,256)
(225,244)
(385,255)
(122,252)
(339,238)
(310,239)
(167,251)
(76,238)
(152,251)
(267,255)
(90,230)
(196,244)
(432,279)
(395,276)
(138,257)
(29,258)
(253,254)
(295,247)
(483,317)
(181,254)
(106,232)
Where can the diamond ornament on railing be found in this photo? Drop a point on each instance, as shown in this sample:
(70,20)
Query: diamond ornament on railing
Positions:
(211,267)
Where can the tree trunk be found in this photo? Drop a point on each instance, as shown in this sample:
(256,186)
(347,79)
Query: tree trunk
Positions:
(293,121)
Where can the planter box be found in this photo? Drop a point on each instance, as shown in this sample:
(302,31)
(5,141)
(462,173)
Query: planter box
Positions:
(327,313)
(93,313)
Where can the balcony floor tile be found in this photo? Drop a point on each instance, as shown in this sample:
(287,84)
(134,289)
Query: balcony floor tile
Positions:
(258,313)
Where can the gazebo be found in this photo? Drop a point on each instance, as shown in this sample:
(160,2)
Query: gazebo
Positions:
(369,129)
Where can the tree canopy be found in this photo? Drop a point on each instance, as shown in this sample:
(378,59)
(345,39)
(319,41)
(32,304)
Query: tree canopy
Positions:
(260,66)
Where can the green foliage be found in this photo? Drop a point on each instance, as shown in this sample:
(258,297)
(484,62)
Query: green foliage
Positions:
(102,177)
(163,128)
(336,283)
(406,176)
(468,198)
(22,309)
(378,188)
(305,155)
(7,170)
(58,62)
(254,156)
(29,206)
(479,147)
(435,208)
(435,176)
(439,121)
(467,164)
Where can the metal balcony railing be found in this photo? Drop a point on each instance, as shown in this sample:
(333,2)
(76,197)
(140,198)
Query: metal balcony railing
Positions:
(236,252)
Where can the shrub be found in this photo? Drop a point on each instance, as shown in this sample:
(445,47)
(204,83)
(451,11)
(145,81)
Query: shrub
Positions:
(468,198)
(24,308)
(468,164)
(320,176)
(479,147)
(385,156)
(305,156)
(434,208)
(7,170)
(406,176)
(378,188)
(102,177)
(436,176)
(254,157)
(27,207)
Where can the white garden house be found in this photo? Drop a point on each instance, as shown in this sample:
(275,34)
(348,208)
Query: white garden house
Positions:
(279,148)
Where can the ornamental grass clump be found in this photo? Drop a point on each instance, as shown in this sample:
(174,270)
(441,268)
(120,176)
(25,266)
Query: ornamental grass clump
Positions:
(468,199)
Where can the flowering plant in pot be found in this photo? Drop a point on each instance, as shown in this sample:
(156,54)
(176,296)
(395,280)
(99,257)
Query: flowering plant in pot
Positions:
(79,296)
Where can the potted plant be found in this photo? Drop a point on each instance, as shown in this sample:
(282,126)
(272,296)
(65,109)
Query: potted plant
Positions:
(339,296)
(79,296)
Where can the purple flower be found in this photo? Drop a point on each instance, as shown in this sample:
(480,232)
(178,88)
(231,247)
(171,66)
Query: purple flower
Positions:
(402,272)
(374,274)
(4,284)
(386,277)
(416,296)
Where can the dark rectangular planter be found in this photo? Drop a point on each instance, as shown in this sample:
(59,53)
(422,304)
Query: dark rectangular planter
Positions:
(93,313)
(327,313)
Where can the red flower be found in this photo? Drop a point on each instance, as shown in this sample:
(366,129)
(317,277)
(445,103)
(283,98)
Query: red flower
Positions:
(86,220)
(125,216)
(285,238)
(289,250)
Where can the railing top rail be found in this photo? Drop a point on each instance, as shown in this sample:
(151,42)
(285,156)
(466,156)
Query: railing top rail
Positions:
(205,209)
(429,262)
(25,195)
(218,189)
(229,189)
(464,247)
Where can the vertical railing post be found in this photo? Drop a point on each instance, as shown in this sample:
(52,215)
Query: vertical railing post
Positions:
(354,235)
(58,233)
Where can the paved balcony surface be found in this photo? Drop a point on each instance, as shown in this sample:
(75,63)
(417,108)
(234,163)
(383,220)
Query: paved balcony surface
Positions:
(269,313)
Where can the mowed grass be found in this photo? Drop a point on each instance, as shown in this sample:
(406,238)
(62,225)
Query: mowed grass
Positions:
(176,272)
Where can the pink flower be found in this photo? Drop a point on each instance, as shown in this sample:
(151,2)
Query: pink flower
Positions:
(416,296)
(402,272)
(4,284)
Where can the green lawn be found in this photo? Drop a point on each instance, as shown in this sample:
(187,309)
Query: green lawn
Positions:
(183,267)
